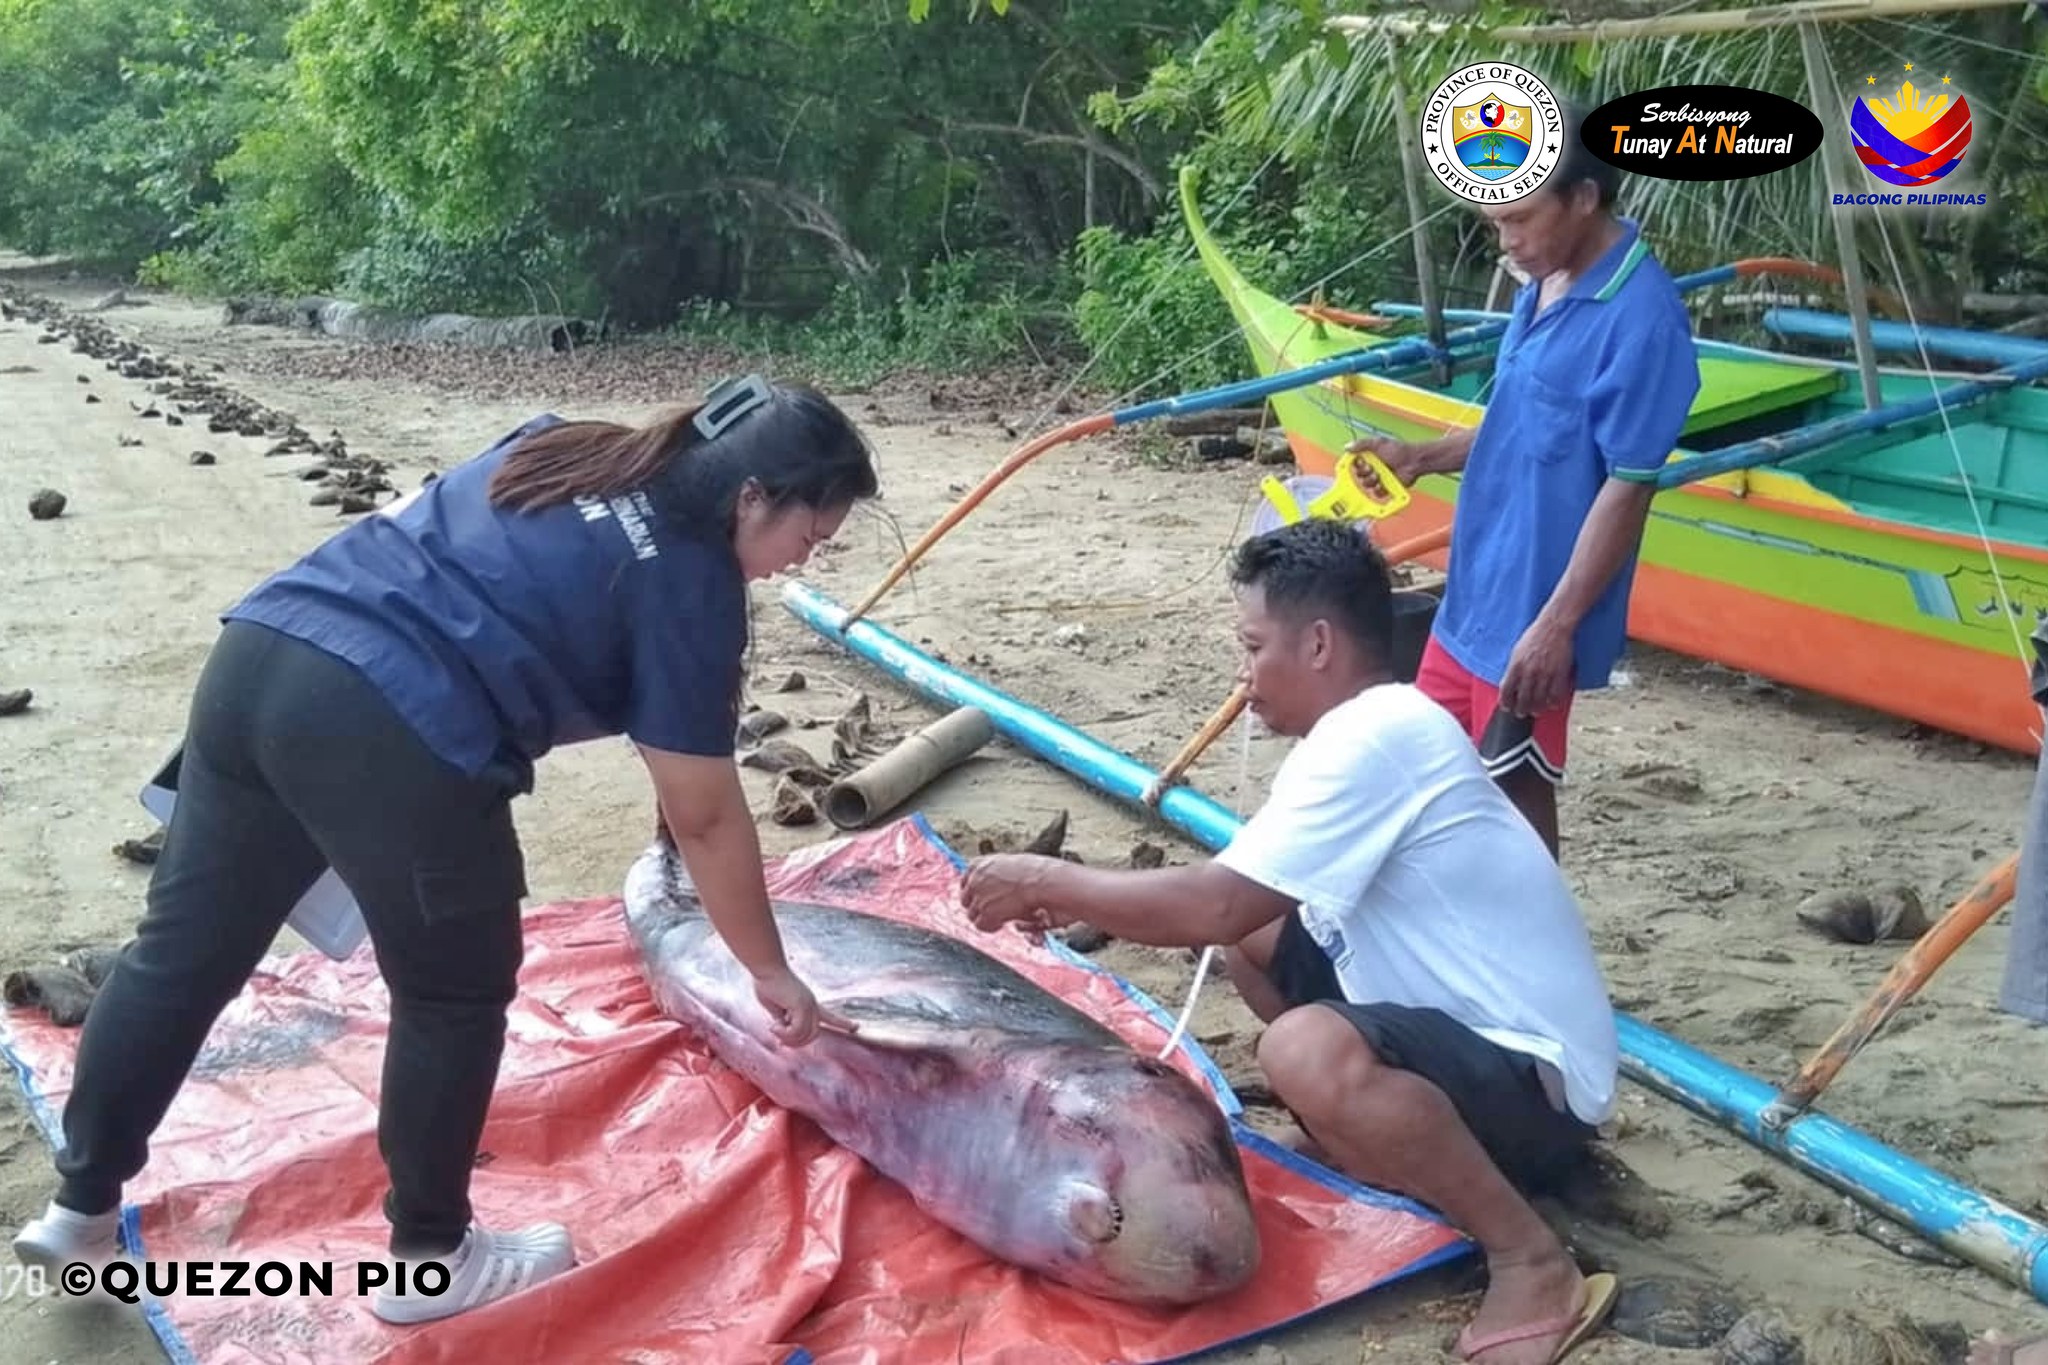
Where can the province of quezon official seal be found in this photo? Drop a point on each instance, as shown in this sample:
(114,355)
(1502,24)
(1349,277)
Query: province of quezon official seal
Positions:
(1492,132)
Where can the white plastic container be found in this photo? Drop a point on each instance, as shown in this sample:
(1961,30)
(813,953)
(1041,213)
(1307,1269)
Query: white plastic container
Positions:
(326,916)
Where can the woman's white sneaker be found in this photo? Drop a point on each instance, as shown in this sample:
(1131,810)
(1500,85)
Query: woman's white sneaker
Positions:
(487,1266)
(59,1237)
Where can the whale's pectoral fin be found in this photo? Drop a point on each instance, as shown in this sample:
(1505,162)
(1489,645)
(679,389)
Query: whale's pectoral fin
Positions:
(906,1027)
(904,1021)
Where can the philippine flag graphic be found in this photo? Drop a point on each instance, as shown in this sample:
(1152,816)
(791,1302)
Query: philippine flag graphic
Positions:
(1911,139)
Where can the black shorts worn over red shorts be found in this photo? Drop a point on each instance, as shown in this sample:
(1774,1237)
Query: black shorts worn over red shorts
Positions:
(1499,1093)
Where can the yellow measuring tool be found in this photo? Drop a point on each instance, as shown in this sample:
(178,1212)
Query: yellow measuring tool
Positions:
(1346,499)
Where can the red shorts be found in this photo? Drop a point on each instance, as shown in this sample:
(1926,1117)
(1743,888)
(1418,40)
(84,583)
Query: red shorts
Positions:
(1506,742)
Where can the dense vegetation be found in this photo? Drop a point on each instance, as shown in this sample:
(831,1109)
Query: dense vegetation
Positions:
(884,182)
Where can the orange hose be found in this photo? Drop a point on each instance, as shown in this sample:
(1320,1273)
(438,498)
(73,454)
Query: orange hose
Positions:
(1023,455)
(1429,542)
(1992,891)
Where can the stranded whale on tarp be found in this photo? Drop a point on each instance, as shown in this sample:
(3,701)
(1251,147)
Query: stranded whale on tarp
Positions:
(1008,1115)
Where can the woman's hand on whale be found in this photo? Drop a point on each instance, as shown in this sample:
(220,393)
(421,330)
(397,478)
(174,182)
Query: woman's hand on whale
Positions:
(795,1014)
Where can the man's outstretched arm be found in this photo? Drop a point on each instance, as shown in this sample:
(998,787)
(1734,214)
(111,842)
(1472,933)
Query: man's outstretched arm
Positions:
(1168,907)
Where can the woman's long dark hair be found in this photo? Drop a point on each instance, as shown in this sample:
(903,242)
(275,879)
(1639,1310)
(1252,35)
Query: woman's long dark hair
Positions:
(798,446)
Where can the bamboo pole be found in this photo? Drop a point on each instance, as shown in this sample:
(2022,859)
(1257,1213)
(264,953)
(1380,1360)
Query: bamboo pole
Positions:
(1674,25)
(1233,706)
(1411,186)
(1992,891)
(1845,226)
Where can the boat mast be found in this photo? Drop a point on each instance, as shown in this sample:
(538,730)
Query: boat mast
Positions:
(1845,227)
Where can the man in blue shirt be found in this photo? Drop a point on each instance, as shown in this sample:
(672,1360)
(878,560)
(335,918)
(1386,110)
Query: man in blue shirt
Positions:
(1595,376)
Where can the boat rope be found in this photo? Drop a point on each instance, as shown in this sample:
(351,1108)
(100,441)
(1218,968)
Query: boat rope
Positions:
(1235,334)
(1038,424)
(1095,424)
(1968,485)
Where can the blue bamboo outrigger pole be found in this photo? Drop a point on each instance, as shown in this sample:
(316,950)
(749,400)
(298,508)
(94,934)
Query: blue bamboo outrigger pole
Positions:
(1986,1233)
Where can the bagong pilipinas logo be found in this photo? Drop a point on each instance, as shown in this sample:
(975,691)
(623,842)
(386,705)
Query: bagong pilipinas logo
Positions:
(1913,138)
(1491,132)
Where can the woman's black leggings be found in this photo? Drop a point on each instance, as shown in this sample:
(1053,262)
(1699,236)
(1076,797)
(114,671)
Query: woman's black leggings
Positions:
(293,763)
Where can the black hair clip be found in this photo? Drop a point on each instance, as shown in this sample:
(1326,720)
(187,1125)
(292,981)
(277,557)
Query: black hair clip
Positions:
(729,402)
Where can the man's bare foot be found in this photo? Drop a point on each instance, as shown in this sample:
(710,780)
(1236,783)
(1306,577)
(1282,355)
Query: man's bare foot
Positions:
(1995,1348)
(1523,1294)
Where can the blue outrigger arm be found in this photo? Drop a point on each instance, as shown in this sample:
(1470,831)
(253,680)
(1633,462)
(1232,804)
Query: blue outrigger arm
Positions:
(1953,343)
(1980,1230)
(1408,351)
(1771,449)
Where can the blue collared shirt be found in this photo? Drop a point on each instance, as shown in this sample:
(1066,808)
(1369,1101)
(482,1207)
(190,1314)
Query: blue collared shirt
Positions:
(1597,387)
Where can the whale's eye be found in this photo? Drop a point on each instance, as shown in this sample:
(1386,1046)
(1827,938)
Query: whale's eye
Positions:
(1074,1108)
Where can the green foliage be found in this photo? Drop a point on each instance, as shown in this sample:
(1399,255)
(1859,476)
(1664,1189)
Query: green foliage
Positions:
(114,113)
(859,186)
(966,314)
(288,216)
(1145,309)
(920,10)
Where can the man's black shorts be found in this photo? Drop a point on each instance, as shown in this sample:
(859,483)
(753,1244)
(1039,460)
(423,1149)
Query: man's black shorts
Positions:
(1497,1092)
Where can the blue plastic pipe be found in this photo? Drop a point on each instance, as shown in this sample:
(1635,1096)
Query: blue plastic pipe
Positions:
(1956,343)
(1997,1239)
(1393,309)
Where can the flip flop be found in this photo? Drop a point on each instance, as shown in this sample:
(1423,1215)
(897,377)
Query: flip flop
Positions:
(2004,1350)
(1596,1303)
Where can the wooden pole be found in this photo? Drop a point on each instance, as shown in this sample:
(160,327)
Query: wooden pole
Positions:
(1411,185)
(1900,984)
(1845,225)
(1672,25)
(1429,542)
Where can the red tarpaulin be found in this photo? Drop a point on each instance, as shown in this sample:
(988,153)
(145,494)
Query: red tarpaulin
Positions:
(710,1225)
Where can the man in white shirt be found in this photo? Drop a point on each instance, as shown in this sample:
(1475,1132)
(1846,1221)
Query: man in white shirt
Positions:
(1436,1019)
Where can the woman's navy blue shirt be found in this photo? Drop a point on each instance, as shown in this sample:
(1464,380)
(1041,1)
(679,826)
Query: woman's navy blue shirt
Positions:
(500,634)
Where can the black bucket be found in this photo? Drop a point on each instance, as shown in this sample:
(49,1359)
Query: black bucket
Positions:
(1414,613)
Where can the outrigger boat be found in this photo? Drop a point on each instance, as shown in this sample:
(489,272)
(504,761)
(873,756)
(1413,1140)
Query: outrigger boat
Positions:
(1799,535)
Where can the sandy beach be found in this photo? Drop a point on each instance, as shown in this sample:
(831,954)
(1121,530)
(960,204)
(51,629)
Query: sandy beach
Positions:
(1703,806)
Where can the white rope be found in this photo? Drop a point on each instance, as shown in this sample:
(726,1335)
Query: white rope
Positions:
(1244,774)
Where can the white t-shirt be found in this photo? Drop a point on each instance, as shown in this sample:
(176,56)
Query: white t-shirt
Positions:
(1427,888)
